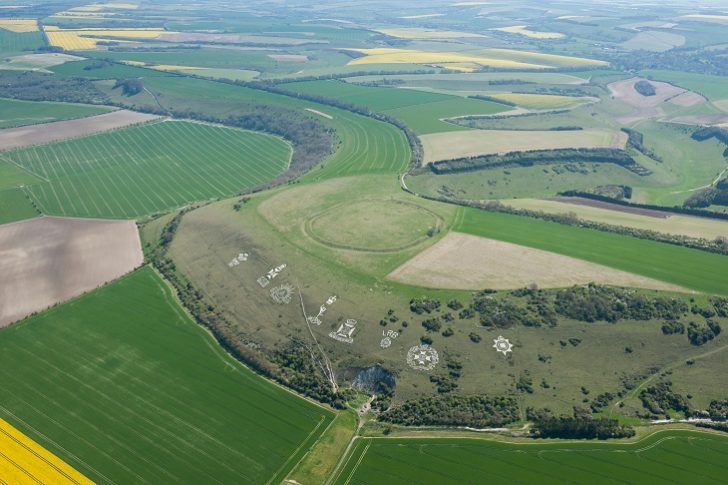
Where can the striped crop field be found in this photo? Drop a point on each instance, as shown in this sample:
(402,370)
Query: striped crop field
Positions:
(23,461)
(672,456)
(365,146)
(19,25)
(19,41)
(362,145)
(148,168)
(124,387)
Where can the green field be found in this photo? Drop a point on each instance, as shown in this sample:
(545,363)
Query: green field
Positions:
(362,145)
(124,387)
(19,42)
(144,169)
(15,206)
(14,112)
(108,71)
(714,88)
(422,111)
(664,457)
(209,58)
(690,268)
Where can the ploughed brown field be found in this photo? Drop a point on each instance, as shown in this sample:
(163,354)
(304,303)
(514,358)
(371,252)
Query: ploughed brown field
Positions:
(48,260)
(23,136)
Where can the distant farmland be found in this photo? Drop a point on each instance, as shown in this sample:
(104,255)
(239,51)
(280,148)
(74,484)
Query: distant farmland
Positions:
(140,170)
(125,388)
(422,111)
(665,457)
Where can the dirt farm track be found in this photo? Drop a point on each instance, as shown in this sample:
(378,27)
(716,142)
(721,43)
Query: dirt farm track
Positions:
(48,260)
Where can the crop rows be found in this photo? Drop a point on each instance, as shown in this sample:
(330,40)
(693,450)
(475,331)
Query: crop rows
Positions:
(667,457)
(140,170)
(125,388)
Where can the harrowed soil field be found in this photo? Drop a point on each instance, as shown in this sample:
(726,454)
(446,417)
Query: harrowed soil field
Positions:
(48,260)
(61,130)
(465,262)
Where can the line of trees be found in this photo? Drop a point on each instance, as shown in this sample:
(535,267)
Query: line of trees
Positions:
(530,158)
(718,245)
(477,411)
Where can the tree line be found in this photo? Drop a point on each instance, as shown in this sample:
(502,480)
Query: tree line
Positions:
(529,158)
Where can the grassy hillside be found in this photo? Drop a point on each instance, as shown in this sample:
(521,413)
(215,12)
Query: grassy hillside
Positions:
(124,387)
(143,169)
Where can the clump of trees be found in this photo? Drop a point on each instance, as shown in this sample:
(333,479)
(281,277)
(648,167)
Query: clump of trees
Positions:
(533,307)
(424,305)
(702,334)
(636,140)
(718,410)
(645,88)
(672,328)
(130,87)
(477,411)
(530,158)
(34,86)
(298,371)
(572,427)
(659,399)
(594,302)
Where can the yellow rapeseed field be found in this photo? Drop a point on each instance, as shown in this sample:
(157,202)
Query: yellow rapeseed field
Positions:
(85,39)
(472,60)
(23,461)
(701,16)
(19,25)
(444,59)
(522,30)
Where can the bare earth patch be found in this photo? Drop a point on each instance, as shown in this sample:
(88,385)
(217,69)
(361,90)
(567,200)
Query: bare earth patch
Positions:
(644,106)
(456,144)
(688,98)
(23,136)
(320,113)
(49,260)
(465,262)
(715,119)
